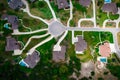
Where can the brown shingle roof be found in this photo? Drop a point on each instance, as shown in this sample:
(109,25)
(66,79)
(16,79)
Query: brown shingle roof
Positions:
(59,55)
(81,45)
(85,3)
(110,7)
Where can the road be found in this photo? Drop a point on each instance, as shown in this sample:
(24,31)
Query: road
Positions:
(114,32)
(68,25)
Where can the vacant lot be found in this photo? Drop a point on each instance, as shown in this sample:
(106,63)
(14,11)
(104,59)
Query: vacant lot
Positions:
(87,24)
(110,24)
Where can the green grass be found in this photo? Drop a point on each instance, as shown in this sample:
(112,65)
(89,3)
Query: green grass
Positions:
(34,42)
(106,36)
(24,38)
(62,14)
(114,17)
(101,18)
(76,33)
(92,38)
(41,9)
(86,56)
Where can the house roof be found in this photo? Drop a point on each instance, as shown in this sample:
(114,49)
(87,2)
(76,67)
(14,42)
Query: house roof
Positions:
(62,4)
(32,59)
(85,3)
(59,55)
(12,44)
(12,20)
(110,7)
(15,4)
(81,45)
(105,50)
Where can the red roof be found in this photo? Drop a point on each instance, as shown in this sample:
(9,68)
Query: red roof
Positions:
(104,50)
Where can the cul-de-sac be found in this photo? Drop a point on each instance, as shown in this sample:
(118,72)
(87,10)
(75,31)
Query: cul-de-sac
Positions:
(59,39)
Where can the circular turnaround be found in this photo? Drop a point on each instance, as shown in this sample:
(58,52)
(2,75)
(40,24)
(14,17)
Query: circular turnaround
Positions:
(56,28)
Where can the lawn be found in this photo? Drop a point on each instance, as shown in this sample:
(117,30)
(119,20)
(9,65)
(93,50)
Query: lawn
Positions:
(101,17)
(114,17)
(34,24)
(92,38)
(80,12)
(86,56)
(62,14)
(24,38)
(77,33)
(41,9)
(34,42)
(106,36)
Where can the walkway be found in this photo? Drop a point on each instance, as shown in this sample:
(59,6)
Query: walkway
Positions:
(39,44)
(33,37)
(28,11)
(53,13)
(16,32)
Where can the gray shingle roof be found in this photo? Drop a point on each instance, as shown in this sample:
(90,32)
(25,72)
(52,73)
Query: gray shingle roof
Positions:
(110,7)
(62,4)
(32,59)
(12,20)
(85,3)
(81,45)
(12,44)
(15,4)
(59,55)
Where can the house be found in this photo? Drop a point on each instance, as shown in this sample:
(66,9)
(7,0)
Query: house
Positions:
(59,55)
(110,7)
(80,45)
(15,4)
(32,59)
(62,4)
(13,20)
(85,3)
(12,44)
(104,50)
